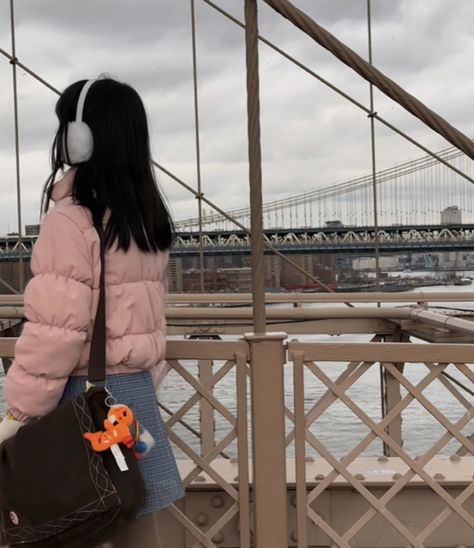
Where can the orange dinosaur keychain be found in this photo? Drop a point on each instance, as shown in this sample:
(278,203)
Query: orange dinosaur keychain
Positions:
(117,429)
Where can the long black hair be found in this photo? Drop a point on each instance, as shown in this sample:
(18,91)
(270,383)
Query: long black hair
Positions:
(119,176)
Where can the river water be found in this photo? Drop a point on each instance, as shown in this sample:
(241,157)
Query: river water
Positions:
(338,428)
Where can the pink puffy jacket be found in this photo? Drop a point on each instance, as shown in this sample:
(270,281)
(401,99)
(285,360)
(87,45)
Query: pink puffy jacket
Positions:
(60,306)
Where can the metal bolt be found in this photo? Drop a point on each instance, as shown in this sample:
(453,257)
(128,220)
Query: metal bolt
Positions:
(199,479)
(319,477)
(202,519)
(217,501)
(396,476)
(382,458)
(294,536)
(417,457)
(293,501)
(309,458)
(438,476)
(234,460)
(360,476)
(218,537)
(455,458)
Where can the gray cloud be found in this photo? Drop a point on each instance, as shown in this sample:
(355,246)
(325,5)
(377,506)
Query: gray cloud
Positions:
(311,136)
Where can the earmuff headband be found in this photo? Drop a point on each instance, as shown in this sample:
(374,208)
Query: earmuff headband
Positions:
(82,99)
(78,141)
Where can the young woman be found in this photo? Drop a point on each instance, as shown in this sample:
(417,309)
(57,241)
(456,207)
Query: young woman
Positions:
(111,179)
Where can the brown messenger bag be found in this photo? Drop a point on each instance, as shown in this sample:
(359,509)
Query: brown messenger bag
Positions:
(55,490)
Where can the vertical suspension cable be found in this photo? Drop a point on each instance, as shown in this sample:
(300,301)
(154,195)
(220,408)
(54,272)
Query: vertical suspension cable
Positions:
(392,203)
(469,170)
(438,194)
(430,195)
(17,149)
(396,191)
(412,179)
(372,141)
(462,195)
(255,165)
(424,193)
(198,148)
(469,190)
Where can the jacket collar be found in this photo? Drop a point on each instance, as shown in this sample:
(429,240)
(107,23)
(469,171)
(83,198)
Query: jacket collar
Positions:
(63,187)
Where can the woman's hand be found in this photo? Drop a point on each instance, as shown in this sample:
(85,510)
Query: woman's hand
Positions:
(9,427)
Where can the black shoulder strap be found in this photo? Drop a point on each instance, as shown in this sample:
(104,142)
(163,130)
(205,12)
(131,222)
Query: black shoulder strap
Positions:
(96,371)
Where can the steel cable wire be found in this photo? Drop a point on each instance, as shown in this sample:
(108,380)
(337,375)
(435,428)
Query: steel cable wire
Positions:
(390,88)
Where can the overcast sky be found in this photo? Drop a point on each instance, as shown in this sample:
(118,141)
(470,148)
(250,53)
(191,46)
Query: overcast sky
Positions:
(311,137)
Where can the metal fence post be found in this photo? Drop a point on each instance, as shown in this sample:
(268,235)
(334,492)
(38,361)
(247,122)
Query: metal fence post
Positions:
(392,396)
(267,359)
(206,411)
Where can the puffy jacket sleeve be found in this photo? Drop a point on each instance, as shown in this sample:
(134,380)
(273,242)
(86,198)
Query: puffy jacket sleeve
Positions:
(58,302)
(163,368)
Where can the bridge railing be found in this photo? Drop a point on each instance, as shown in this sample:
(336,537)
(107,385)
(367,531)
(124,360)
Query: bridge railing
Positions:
(378,446)
(382,507)
(430,316)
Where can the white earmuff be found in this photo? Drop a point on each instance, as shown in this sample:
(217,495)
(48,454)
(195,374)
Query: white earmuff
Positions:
(79,139)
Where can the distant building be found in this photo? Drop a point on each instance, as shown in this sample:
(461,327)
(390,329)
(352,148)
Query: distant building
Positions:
(214,281)
(32,230)
(368,263)
(175,275)
(238,278)
(452,215)
(334,224)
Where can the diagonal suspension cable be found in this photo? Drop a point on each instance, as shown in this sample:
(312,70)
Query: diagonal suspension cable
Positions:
(346,96)
(283,257)
(390,88)
(238,224)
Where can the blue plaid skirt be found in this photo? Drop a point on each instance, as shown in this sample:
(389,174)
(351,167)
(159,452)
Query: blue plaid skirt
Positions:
(158,467)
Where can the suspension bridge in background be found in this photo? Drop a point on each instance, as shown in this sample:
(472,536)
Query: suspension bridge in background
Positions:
(412,193)
(423,206)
